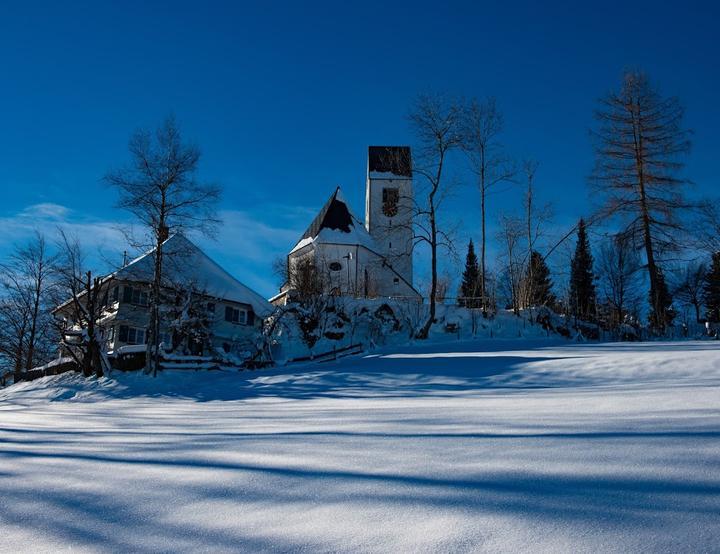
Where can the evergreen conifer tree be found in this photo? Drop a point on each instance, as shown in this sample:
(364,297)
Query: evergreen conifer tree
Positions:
(470,286)
(712,290)
(582,278)
(539,282)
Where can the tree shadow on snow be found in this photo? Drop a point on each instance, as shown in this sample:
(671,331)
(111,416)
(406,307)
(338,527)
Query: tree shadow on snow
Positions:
(371,376)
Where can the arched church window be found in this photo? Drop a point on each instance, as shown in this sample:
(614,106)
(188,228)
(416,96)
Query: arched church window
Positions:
(335,266)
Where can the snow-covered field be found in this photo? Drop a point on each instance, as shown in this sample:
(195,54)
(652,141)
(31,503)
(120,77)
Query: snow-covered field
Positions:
(479,446)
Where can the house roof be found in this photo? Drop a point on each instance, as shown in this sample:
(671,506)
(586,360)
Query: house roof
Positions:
(393,160)
(335,224)
(185,263)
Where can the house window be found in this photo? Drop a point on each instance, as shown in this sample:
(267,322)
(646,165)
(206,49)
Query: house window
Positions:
(131,335)
(133,295)
(335,266)
(115,293)
(235,315)
(396,282)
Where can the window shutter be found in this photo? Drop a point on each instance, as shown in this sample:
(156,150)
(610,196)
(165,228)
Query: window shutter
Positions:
(250,317)
(228,313)
(123,333)
(127,294)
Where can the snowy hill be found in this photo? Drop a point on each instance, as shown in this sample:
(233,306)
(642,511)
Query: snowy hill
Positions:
(490,445)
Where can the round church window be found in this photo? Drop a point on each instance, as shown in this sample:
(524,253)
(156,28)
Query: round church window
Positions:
(335,266)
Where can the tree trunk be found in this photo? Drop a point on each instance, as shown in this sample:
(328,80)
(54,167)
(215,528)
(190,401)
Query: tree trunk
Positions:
(647,236)
(482,246)
(18,362)
(152,352)
(33,321)
(425,331)
(530,282)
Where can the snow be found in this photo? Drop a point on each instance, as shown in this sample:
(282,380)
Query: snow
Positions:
(186,263)
(356,236)
(131,349)
(52,363)
(456,446)
(302,243)
(388,175)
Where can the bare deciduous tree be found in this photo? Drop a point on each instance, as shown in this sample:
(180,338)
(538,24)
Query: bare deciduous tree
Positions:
(618,267)
(535,220)
(27,280)
(639,144)
(436,122)
(690,286)
(81,335)
(482,125)
(509,236)
(707,227)
(160,188)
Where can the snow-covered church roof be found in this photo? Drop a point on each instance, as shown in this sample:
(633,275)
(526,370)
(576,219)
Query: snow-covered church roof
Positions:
(185,263)
(336,224)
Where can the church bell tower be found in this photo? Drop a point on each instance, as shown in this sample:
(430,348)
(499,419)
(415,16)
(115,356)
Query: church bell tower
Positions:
(389,205)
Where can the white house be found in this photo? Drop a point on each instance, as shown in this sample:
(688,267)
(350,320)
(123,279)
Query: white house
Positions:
(231,311)
(370,259)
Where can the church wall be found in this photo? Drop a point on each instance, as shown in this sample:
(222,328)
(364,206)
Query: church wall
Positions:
(362,275)
(390,225)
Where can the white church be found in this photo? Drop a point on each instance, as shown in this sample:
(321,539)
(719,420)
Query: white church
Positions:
(364,260)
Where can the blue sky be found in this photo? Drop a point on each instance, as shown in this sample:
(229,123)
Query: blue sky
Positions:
(284,98)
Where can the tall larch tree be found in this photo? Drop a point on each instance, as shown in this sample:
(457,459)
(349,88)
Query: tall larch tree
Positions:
(640,142)
(583,298)
(712,290)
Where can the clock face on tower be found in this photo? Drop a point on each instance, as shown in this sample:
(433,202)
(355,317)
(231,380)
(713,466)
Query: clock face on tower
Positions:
(391,197)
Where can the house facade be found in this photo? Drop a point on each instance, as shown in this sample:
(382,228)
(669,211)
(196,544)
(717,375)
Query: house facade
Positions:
(205,309)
